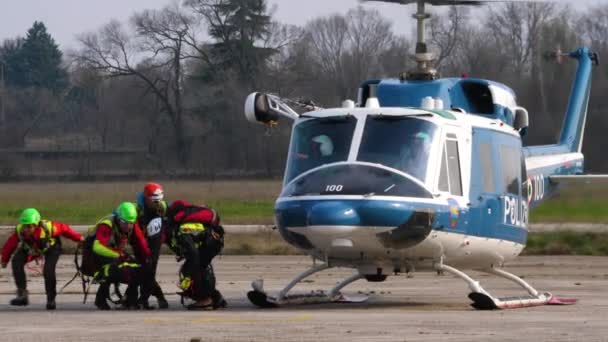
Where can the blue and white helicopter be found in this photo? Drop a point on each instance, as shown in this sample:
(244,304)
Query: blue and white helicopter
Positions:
(421,174)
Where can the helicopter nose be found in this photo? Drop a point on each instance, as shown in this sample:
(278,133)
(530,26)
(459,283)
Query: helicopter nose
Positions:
(333,213)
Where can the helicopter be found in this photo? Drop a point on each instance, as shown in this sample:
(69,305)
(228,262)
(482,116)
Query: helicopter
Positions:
(420,174)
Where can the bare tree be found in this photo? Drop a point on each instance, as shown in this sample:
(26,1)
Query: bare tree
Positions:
(595,26)
(346,49)
(516,30)
(153,51)
(447,33)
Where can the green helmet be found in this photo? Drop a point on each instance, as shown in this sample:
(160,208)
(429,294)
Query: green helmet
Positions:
(30,216)
(126,211)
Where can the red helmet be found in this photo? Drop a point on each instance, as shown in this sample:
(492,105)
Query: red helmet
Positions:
(154,191)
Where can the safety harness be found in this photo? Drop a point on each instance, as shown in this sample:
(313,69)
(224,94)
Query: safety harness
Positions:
(46,239)
(97,277)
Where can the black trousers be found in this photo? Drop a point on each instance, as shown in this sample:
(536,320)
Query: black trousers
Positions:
(136,276)
(198,267)
(51,256)
(154,243)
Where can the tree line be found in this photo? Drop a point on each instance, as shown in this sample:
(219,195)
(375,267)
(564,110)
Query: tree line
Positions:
(169,84)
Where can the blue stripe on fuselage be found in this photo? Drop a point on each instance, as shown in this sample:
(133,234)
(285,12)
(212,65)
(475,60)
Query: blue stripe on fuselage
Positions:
(385,213)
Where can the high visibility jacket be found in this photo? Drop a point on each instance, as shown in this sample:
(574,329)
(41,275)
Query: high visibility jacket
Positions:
(105,239)
(45,236)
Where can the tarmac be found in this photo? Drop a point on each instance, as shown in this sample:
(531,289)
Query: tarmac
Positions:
(422,307)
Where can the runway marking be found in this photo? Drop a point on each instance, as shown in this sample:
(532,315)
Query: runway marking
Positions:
(229,320)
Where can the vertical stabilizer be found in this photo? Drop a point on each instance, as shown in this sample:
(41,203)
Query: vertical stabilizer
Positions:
(573,127)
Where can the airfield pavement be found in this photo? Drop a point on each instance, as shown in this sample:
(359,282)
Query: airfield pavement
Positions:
(425,307)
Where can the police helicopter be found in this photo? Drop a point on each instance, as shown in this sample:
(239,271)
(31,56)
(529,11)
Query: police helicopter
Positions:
(420,174)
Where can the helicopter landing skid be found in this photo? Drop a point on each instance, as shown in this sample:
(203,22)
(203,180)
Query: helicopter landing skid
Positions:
(482,300)
(260,298)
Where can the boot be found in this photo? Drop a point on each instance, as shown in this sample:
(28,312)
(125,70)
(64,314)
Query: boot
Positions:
(50,301)
(157,292)
(144,304)
(160,297)
(131,302)
(218,300)
(201,305)
(162,302)
(21,299)
(101,298)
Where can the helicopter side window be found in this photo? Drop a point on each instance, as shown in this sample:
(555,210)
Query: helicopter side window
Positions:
(454,167)
(511,168)
(479,97)
(525,191)
(487,168)
(449,178)
(319,141)
(444,183)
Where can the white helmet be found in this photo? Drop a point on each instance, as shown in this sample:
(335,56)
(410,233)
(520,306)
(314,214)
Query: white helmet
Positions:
(326,146)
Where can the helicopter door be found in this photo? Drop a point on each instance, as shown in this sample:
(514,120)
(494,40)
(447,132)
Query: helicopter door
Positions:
(450,180)
(496,196)
(484,196)
(514,217)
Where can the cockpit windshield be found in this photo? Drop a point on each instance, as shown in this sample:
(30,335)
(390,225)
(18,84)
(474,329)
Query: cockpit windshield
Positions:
(399,142)
(319,141)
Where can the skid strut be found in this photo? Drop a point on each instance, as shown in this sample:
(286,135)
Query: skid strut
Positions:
(259,297)
(483,300)
(299,278)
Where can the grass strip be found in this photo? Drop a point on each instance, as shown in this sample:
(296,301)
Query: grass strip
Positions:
(567,243)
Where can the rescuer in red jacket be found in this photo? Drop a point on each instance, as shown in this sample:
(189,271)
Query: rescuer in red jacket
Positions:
(35,238)
(105,257)
(151,216)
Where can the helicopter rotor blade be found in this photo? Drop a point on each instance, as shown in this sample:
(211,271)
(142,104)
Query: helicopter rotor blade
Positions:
(455,2)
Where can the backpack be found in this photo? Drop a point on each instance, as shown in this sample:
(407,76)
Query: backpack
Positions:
(182,214)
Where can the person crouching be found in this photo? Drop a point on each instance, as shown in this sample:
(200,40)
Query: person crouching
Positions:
(106,259)
(33,239)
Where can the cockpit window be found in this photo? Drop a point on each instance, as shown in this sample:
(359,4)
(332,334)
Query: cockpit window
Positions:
(319,141)
(355,179)
(401,142)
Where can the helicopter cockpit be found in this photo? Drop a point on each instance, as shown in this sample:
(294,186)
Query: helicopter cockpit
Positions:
(362,154)
(402,143)
(319,141)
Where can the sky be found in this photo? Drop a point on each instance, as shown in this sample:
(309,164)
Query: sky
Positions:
(67,18)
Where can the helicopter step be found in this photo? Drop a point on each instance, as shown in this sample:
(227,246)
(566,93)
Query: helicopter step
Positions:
(259,297)
(482,300)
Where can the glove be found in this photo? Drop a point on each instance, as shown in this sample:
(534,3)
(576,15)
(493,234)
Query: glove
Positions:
(124,257)
(217,232)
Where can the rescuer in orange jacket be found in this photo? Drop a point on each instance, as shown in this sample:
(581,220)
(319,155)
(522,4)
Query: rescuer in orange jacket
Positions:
(36,238)
(104,256)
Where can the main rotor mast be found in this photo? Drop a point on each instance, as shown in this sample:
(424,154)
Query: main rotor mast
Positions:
(424,58)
